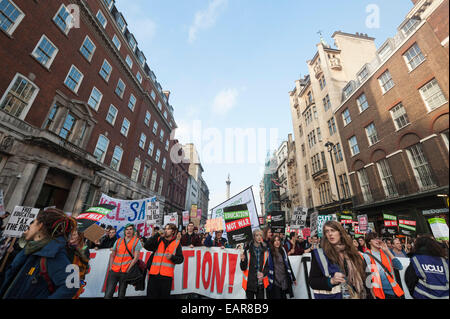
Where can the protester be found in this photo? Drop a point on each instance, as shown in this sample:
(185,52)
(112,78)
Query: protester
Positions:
(388,242)
(293,245)
(218,241)
(79,254)
(190,238)
(427,274)
(2,221)
(109,240)
(267,235)
(124,254)
(254,267)
(39,270)
(397,249)
(382,264)
(281,277)
(337,269)
(9,251)
(283,239)
(355,243)
(167,253)
(362,245)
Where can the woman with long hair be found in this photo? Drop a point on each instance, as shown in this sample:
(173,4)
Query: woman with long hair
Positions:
(281,277)
(337,268)
(39,270)
(427,274)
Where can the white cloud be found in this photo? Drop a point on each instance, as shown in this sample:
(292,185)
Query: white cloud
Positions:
(225,101)
(206,19)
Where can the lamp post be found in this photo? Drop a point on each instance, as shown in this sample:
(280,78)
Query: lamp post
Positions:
(330,146)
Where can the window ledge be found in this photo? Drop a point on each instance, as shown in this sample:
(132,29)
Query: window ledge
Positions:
(437,107)
(43,66)
(397,130)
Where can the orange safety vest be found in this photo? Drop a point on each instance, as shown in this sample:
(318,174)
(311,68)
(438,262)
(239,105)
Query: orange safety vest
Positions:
(376,278)
(245,272)
(122,259)
(162,265)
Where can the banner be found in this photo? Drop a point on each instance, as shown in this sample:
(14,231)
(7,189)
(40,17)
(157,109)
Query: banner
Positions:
(321,220)
(390,220)
(211,272)
(237,224)
(278,223)
(19,221)
(244,197)
(2,204)
(407,226)
(298,220)
(127,212)
(346,219)
(306,232)
(439,228)
(152,212)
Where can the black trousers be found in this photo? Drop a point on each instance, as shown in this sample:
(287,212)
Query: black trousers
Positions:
(111,283)
(159,287)
(276,293)
(259,294)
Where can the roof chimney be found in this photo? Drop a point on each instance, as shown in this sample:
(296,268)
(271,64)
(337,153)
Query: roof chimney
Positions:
(167,94)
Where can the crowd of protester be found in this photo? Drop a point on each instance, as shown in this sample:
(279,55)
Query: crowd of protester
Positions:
(341,265)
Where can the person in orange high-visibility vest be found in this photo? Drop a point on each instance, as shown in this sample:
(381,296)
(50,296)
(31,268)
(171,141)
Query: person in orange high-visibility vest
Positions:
(254,267)
(166,253)
(121,261)
(382,264)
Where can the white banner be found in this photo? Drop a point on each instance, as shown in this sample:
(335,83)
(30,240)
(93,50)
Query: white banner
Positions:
(127,212)
(19,221)
(211,272)
(245,197)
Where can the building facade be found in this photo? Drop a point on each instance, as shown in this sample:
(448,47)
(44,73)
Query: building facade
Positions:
(394,122)
(81,112)
(294,186)
(313,101)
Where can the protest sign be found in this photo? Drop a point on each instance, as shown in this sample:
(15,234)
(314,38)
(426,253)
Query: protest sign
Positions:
(298,220)
(313,223)
(194,211)
(152,213)
(127,212)
(407,226)
(278,223)
(321,220)
(171,218)
(2,204)
(185,218)
(346,219)
(439,228)
(237,224)
(363,223)
(306,232)
(94,233)
(390,220)
(214,224)
(93,215)
(244,197)
(19,221)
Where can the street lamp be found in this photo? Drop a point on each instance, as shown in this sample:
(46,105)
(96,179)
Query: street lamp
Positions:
(330,146)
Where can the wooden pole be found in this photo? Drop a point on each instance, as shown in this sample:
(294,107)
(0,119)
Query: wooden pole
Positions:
(5,258)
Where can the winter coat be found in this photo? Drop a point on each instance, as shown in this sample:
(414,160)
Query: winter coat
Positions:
(23,279)
(289,273)
(209,242)
(252,284)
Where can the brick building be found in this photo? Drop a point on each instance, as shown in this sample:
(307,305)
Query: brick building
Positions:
(394,122)
(81,112)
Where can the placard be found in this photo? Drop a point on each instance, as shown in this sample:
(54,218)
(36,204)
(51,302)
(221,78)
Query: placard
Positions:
(298,220)
(94,233)
(363,223)
(20,220)
(278,223)
(194,211)
(321,220)
(171,218)
(185,218)
(313,222)
(237,224)
(439,228)
(390,220)
(214,224)
(152,213)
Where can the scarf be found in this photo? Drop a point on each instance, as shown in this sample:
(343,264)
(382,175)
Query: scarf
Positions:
(34,246)
(352,273)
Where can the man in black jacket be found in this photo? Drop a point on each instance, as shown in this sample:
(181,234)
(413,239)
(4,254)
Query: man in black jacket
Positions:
(167,252)
(109,240)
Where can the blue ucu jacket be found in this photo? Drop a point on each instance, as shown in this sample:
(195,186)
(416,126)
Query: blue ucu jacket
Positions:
(23,281)
(328,269)
(433,277)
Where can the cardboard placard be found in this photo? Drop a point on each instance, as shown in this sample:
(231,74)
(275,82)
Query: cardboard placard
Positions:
(152,213)
(94,232)
(19,221)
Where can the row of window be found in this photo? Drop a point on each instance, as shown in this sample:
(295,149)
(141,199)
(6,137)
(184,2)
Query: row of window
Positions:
(421,168)
(325,194)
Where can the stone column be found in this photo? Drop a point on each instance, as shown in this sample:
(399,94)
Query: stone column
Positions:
(36,186)
(81,198)
(22,185)
(73,194)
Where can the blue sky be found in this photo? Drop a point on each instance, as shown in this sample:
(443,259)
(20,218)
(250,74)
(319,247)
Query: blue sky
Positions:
(231,64)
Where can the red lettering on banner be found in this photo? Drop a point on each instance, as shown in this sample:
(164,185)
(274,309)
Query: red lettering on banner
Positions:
(91,256)
(232,259)
(207,259)
(110,216)
(187,254)
(197,281)
(118,212)
(218,277)
(238,224)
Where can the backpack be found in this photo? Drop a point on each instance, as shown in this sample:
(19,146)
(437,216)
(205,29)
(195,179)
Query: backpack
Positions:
(83,266)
